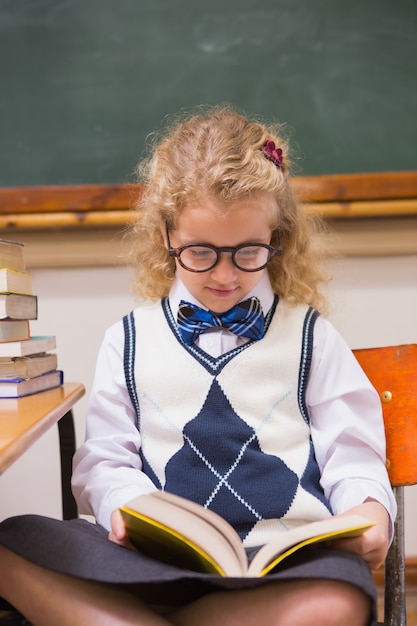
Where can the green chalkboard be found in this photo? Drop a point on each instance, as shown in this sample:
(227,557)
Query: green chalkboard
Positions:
(83,82)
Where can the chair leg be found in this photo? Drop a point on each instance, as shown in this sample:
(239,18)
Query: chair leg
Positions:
(395,601)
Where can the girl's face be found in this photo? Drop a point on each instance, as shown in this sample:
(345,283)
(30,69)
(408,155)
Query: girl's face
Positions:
(245,221)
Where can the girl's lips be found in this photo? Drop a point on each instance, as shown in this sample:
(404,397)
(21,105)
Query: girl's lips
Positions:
(221,293)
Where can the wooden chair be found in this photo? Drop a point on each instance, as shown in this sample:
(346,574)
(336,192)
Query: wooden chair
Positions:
(393,372)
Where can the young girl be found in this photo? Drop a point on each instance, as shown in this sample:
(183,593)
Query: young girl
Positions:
(257,411)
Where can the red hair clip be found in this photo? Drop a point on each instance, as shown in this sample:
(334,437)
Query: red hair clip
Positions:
(272,153)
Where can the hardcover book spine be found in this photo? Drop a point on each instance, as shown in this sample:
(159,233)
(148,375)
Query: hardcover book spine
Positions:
(26,364)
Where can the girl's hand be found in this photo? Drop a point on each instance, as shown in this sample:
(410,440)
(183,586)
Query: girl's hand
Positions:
(118,532)
(373,545)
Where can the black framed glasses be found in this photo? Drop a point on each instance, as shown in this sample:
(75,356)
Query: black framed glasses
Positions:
(248,257)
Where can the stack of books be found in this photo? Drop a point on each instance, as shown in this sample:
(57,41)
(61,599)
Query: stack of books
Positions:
(27,364)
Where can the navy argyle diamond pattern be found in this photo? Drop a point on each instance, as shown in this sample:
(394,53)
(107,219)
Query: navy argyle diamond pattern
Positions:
(218,467)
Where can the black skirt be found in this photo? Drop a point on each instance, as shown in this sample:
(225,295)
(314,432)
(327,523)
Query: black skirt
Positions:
(81,549)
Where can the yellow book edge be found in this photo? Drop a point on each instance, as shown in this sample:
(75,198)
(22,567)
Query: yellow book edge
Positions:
(196,550)
(354,531)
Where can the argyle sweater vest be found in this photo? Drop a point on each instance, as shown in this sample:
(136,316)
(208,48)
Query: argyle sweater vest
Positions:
(232,432)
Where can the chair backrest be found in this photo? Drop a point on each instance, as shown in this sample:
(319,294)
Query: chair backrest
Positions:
(393,372)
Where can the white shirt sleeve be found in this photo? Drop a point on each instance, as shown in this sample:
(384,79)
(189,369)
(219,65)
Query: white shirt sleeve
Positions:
(107,466)
(346,426)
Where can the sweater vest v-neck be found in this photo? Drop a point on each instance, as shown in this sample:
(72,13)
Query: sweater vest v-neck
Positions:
(232,432)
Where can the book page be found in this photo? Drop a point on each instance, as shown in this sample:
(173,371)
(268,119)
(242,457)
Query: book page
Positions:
(210,517)
(270,555)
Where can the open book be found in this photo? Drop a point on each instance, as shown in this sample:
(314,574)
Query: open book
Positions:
(183,533)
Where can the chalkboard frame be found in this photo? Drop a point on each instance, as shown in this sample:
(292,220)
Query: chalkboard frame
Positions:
(81,207)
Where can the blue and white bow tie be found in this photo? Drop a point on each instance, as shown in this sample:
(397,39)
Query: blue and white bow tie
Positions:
(245,320)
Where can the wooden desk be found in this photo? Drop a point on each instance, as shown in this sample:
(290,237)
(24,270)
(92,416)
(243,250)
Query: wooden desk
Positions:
(24,420)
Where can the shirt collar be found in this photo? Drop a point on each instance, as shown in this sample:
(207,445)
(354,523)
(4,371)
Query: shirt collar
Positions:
(263,291)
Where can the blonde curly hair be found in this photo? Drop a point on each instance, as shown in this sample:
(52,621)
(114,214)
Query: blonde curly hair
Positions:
(217,153)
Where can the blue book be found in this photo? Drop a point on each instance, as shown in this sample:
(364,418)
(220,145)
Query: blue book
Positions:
(21,387)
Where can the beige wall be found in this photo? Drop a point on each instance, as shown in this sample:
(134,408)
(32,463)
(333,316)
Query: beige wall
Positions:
(373,302)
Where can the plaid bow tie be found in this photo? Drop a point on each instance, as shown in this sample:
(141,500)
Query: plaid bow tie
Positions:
(245,319)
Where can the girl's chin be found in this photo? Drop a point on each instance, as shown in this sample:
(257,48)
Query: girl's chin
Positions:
(221,301)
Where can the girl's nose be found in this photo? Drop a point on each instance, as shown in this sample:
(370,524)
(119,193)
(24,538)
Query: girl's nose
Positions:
(224,271)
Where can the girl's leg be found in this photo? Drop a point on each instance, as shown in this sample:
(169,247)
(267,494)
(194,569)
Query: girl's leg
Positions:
(298,603)
(46,598)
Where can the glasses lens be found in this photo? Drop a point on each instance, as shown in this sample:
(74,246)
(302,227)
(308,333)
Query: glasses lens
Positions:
(251,258)
(198,258)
